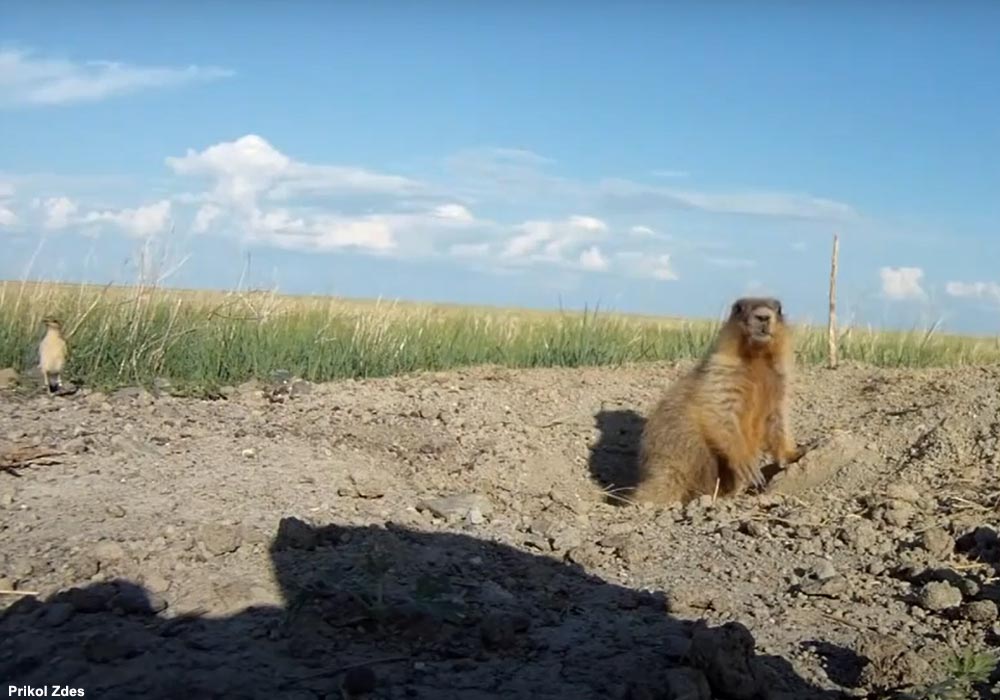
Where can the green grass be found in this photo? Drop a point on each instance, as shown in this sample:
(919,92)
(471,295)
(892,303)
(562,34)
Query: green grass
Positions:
(128,335)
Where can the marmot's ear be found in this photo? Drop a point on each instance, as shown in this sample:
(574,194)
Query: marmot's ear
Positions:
(737,309)
(778,309)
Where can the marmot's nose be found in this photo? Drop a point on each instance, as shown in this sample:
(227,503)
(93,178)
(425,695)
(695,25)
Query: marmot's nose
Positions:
(763,318)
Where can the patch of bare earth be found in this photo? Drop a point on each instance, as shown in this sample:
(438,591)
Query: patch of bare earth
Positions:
(452,536)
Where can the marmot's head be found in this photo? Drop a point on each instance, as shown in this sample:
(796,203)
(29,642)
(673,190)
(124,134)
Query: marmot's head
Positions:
(52,323)
(759,318)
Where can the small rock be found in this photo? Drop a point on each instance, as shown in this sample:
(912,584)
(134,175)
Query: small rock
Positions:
(156,583)
(220,539)
(939,595)
(363,483)
(249,453)
(76,446)
(300,388)
(981,611)
(938,542)
(456,507)
(358,681)
(134,601)
(899,513)
(902,492)
(830,588)
(969,588)
(83,566)
(493,593)
(58,614)
(823,570)
(109,552)
(88,600)
(876,568)
(725,655)
(295,534)
(115,511)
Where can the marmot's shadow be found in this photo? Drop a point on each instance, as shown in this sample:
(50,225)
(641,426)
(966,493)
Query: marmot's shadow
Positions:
(614,458)
(420,615)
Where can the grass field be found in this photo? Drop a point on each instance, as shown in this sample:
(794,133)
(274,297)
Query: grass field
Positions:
(128,335)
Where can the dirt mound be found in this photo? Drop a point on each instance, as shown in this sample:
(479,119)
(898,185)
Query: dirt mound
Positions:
(466,535)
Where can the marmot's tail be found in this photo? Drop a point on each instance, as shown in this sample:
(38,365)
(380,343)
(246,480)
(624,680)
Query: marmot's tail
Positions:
(53,383)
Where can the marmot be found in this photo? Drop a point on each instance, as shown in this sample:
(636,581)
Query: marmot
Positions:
(52,354)
(713,423)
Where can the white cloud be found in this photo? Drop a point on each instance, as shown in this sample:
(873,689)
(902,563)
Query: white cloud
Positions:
(203,219)
(28,79)
(788,205)
(587,223)
(245,170)
(249,189)
(454,212)
(521,176)
(510,175)
(989,291)
(141,222)
(58,212)
(248,175)
(902,283)
(543,240)
(469,250)
(661,268)
(8,218)
(638,264)
(593,259)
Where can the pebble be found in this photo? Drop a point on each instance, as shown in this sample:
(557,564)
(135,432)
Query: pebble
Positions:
(939,595)
(824,570)
(902,492)
(937,542)
(220,539)
(58,614)
(457,506)
(981,611)
(831,588)
(108,552)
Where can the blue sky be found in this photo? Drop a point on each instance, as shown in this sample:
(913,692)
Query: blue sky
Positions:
(654,157)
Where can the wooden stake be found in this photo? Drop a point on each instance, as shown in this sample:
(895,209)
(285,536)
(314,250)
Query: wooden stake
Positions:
(832,328)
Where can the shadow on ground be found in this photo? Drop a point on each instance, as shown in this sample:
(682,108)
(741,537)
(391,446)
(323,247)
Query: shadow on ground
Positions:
(400,613)
(614,458)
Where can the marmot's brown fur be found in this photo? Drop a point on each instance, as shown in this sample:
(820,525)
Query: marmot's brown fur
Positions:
(713,423)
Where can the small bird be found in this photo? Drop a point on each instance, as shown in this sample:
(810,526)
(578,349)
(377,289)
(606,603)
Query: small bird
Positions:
(52,354)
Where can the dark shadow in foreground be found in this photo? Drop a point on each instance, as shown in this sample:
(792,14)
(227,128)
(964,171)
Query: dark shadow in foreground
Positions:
(399,613)
(614,458)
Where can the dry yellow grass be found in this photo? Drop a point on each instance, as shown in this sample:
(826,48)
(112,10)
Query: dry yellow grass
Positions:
(127,334)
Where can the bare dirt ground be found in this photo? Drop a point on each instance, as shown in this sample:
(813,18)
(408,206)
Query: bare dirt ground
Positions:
(451,535)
